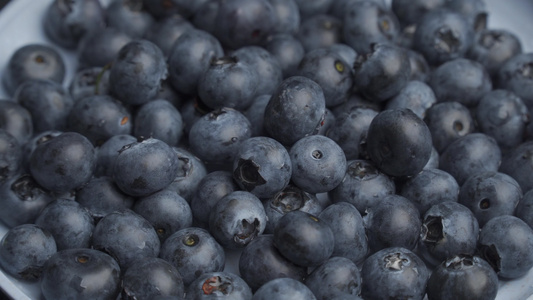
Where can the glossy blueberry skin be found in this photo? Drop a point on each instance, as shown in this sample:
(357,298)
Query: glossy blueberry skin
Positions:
(363,185)
(151,277)
(367,23)
(159,119)
(399,142)
(524,209)
(505,242)
(429,187)
(63,163)
(89,82)
(266,66)
(244,22)
(504,116)
(255,113)
(462,80)
(82,274)
(24,251)
(70,224)
(493,47)
(394,221)
(287,15)
(463,276)
(22,199)
(33,61)
(471,154)
(262,166)
(318,164)
(137,72)
(167,211)
(126,236)
(303,238)
(66,23)
(193,251)
(374,78)
(443,35)
(416,95)
(101,196)
(517,163)
(16,120)
(394,273)
(284,288)
(166,31)
(216,136)
(449,229)
(11,156)
(319,31)
(99,118)
(261,262)
(143,168)
(348,230)
(236,219)
(228,82)
(190,171)
(335,277)
(288,50)
(296,109)
(410,12)
(219,285)
(101,47)
(448,121)
(330,71)
(129,17)
(514,76)
(108,152)
(490,194)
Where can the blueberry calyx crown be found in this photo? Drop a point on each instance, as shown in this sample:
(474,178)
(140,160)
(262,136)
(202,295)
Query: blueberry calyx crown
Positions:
(216,285)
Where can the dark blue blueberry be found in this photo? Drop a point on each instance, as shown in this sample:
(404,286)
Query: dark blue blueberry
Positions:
(367,23)
(191,111)
(89,82)
(374,78)
(101,47)
(126,236)
(320,31)
(22,200)
(448,121)
(236,219)
(429,187)
(471,154)
(393,221)
(164,8)
(11,156)
(524,209)
(108,152)
(288,50)
(101,196)
(363,186)
(99,117)
(129,17)
(33,61)
(329,121)
(416,95)
(303,238)
(219,285)
(348,229)
(70,224)
(167,211)
(505,242)
(193,251)
(67,22)
(449,229)
(24,250)
(81,274)
(346,52)
(399,142)
(151,277)
(330,71)
(356,100)
(461,80)
(287,288)
(287,15)
(394,273)
(335,277)
(504,116)
(255,113)
(143,168)
(463,277)
(475,12)
(229,82)
(410,12)
(313,7)
(241,23)
(338,8)
(515,76)
(190,171)
(159,119)
(16,120)
(296,109)
(490,194)
(518,164)
(137,72)
(419,66)
(262,166)
(63,163)
(166,31)
(318,164)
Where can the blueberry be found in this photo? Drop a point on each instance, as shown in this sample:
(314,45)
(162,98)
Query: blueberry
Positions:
(24,251)
(193,251)
(338,8)
(190,171)
(16,120)
(517,164)
(101,47)
(81,273)
(288,16)
(166,31)
(335,277)
(255,113)
(163,8)
(419,66)
(225,285)
(416,95)
(524,209)
(126,236)
(514,75)
(288,50)
(159,119)
(108,152)
(129,17)
(205,18)
(284,288)
(320,31)
(88,82)
(473,10)
(409,12)
(11,156)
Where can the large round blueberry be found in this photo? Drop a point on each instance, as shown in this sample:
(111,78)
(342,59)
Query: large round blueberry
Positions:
(514,75)
(159,119)
(320,31)
(164,32)
(129,17)
(518,164)
(100,48)
(337,276)
(416,95)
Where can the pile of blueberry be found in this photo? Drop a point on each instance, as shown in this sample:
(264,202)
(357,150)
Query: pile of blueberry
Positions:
(345,149)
